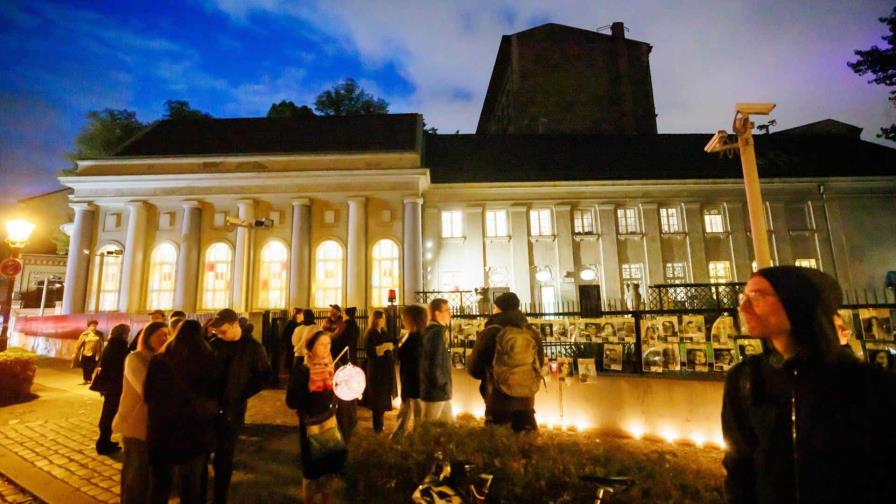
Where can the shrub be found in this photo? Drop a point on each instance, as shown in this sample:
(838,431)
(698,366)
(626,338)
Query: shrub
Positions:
(17,369)
(543,468)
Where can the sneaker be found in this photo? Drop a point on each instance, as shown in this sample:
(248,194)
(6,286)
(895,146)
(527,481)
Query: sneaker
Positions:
(107,449)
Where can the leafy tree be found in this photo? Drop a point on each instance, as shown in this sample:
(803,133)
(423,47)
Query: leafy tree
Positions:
(104,133)
(347,98)
(180,109)
(882,64)
(289,109)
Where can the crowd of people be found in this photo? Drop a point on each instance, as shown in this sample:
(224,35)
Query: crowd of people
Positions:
(799,420)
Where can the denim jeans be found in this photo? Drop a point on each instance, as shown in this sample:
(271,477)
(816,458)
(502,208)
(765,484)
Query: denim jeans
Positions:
(134,472)
(409,408)
(438,411)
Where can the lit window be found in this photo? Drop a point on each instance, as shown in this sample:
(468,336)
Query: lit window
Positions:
(627,220)
(162,265)
(632,273)
(719,271)
(272,275)
(806,263)
(108,277)
(548,298)
(328,274)
(712,221)
(452,224)
(675,273)
(495,223)
(670,221)
(216,276)
(385,271)
(583,222)
(540,222)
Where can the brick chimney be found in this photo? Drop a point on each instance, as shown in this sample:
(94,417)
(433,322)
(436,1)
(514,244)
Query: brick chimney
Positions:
(617,29)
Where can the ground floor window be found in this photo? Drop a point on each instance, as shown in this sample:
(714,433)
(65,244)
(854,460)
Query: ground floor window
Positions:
(719,271)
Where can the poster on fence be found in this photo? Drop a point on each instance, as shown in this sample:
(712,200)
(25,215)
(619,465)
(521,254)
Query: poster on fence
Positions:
(543,327)
(466,329)
(876,324)
(625,329)
(722,357)
(882,355)
(748,346)
(696,357)
(671,357)
(650,330)
(693,329)
(669,327)
(588,330)
(613,357)
(458,358)
(723,329)
(565,371)
(587,370)
(849,323)
(652,358)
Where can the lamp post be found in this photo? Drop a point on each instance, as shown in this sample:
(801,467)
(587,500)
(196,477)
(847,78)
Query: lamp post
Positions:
(17,233)
(720,143)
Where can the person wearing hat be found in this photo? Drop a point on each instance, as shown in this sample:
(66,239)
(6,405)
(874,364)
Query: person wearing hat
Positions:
(801,422)
(245,370)
(500,408)
(333,324)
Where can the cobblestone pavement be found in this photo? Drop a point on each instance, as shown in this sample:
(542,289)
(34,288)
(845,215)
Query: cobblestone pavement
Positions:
(10,493)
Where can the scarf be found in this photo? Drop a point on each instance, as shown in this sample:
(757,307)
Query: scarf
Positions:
(321,376)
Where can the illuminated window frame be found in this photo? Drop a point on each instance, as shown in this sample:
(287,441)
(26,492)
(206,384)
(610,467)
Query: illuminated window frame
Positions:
(329,262)
(217,276)
(627,220)
(108,278)
(541,222)
(386,271)
(273,275)
(670,220)
(496,224)
(452,224)
(162,277)
(719,271)
(583,221)
(713,221)
(806,263)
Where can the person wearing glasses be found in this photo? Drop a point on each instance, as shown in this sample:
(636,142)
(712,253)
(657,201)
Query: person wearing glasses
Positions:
(801,422)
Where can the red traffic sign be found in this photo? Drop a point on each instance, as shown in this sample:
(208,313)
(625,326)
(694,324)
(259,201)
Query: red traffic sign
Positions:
(11,267)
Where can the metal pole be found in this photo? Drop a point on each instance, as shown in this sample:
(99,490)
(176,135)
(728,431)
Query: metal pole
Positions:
(43,296)
(7,307)
(744,129)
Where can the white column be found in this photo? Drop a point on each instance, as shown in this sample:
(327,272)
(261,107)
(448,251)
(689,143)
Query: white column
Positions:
(611,288)
(356,267)
(132,263)
(413,249)
(474,253)
(188,257)
(566,276)
(740,246)
(300,253)
(519,250)
(653,247)
(242,255)
(79,245)
(696,242)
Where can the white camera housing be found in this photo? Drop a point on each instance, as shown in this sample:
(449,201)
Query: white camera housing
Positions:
(717,143)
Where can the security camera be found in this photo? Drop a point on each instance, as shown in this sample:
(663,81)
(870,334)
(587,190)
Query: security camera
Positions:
(263,223)
(718,142)
(754,108)
(234,221)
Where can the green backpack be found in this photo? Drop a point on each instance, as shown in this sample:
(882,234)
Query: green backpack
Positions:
(515,366)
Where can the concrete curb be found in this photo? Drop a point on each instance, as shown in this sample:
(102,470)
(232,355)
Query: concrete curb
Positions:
(41,484)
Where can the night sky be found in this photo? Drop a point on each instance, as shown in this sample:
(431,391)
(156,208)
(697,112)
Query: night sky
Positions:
(233,58)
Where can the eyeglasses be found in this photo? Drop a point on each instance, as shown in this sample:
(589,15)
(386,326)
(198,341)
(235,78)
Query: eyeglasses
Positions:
(755,297)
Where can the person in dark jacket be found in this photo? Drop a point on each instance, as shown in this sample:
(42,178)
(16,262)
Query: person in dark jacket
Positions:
(500,408)
(244,372)
(801,422)
(346,337)
(286,346)
(182,406)
(414,319)
(112,372)
(435,364)
(381,387)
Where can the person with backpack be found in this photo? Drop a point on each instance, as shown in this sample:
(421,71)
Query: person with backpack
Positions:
(507,358)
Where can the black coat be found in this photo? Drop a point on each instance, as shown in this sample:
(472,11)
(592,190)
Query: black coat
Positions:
(347,336)
(381,387)
(244,372)
(409,366)
(112,365)
(312,407)
(435,364)
(843,451)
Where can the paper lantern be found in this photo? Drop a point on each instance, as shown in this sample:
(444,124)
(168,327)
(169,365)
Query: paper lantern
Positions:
(349,382)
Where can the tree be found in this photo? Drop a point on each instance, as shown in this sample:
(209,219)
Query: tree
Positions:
(104,133)
(289,109)
(180,110)
(347,98)
(882,64)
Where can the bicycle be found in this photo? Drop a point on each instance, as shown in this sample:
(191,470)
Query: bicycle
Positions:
(450,483)
(607,484)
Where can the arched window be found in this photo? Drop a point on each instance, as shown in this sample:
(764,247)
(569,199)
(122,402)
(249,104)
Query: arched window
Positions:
(162,265)
(216,276)
(385,272)
(328,274)
(272,275)
(108,277)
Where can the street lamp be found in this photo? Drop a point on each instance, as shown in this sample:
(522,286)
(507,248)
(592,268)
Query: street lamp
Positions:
(17,233)
(720,143)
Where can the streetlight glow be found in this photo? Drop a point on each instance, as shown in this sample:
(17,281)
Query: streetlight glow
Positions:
(17,232)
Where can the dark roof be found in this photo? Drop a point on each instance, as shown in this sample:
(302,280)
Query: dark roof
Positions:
(317,134)
(537,158)
(823,127)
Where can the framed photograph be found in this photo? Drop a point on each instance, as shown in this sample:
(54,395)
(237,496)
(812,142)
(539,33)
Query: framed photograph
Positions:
(693,329)
(882,355)
(652,357)
(588,330)
(696,357)
(748,346)
(560,329)
(722,357)
(850,323)
(723,330)
(607,330)
(565,370)
(669,328)
(671,357)
(458,358)
(650,331)
(587,370)
(876,324)
(613,357)
(465,329)
(625,329)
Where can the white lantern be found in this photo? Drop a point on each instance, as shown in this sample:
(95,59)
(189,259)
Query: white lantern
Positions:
(349,382)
